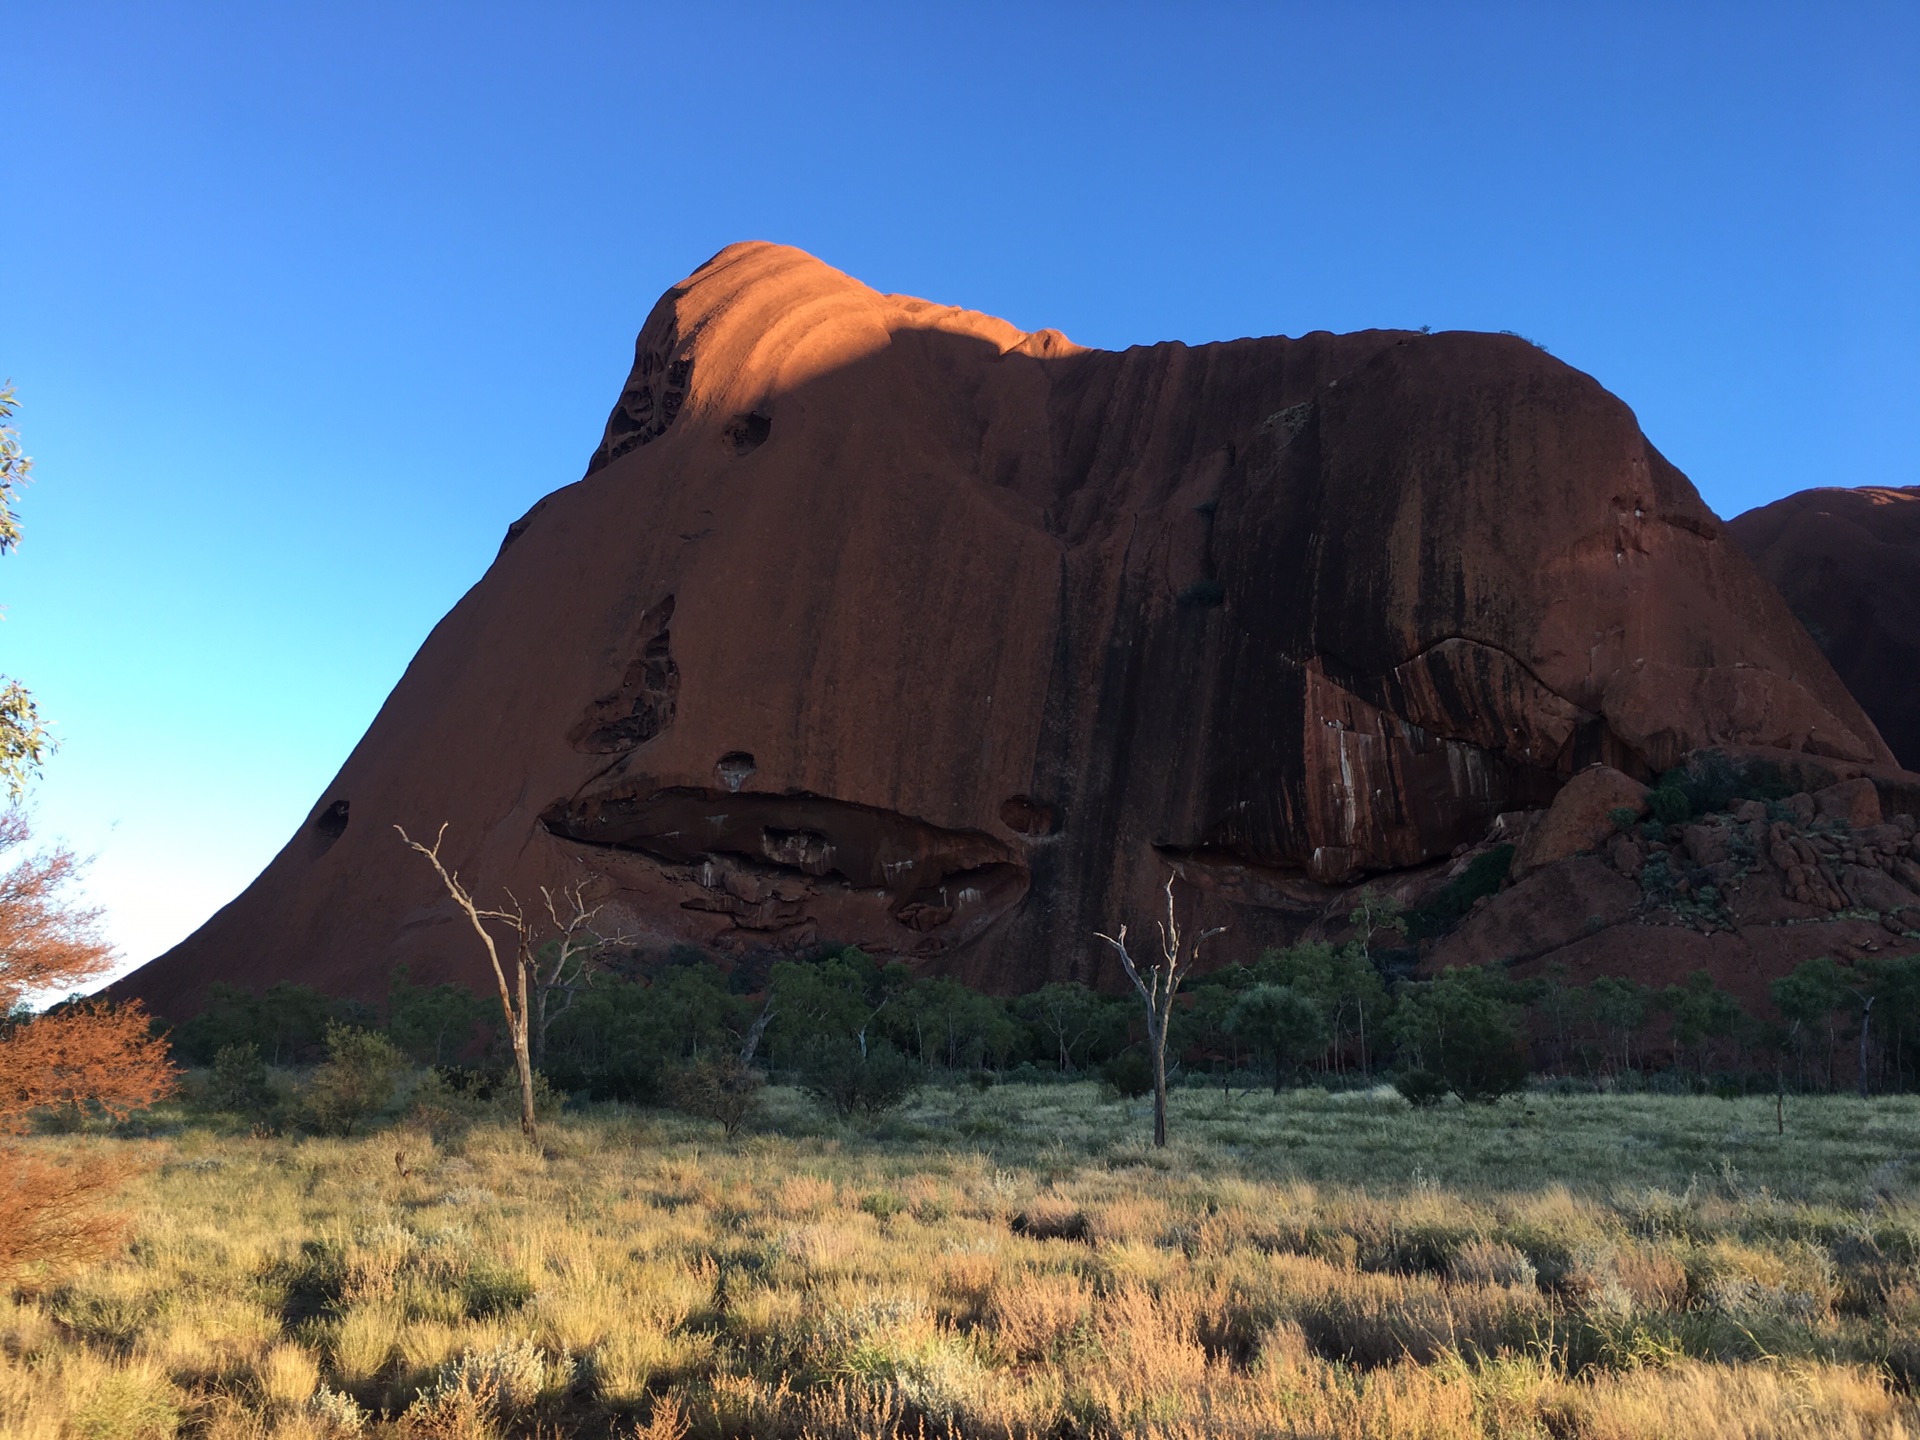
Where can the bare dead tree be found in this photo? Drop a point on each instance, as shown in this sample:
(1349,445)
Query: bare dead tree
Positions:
(514,1006)
(1156,990)
(562,966)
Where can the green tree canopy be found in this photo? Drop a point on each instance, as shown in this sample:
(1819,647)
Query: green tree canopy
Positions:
(1284,1024)
(1465,1026)
(837,996)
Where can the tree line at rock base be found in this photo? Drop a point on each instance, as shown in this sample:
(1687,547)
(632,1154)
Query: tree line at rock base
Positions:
(859,1034)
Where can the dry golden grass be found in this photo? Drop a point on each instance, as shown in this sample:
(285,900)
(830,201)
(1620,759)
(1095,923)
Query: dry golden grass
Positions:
(645,1277)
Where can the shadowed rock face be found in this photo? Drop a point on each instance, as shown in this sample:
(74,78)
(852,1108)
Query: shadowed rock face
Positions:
(1747,893)
(879,621)
(1848,563)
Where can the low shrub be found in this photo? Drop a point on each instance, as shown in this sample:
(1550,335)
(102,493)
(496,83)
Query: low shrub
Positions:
(719,1090)
(1421,1088)
(1483,1057)
(836,1073)
(1129,1074)
(357,1080)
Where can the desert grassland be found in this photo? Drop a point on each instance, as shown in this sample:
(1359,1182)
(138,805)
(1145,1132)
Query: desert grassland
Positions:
(1010,1262)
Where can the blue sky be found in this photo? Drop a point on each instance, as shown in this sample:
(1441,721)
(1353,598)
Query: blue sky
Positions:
(306,303)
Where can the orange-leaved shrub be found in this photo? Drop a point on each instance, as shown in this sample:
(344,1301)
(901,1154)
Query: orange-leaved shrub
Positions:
(49,1213)
(86,1056)
(83,1057)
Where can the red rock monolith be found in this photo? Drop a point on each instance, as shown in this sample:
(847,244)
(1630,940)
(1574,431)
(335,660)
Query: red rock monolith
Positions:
(885,622)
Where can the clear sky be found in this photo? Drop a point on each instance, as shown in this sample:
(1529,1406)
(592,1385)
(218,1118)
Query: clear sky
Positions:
(305,303)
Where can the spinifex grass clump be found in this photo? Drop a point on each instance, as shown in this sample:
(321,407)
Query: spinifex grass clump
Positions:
(1301,1265)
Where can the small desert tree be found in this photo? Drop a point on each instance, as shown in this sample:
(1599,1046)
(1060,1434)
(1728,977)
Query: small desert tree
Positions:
(80,1057)
(722,1090)
(1465,1026)
(1156,989)
(1375,913)
(358,1079)
(1281,1022)
(83,1057)
(1811,996)
(1069,1013)
(88,1055)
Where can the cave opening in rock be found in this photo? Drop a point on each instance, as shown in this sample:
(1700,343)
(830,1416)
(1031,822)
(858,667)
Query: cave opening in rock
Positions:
(734,769)
(331,823)
(782,857)
(1027,816)
(748,432)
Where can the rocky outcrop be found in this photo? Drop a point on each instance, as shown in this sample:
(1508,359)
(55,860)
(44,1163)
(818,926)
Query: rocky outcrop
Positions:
(1746,893)
(1587,811)
(884,622)
(1848,563)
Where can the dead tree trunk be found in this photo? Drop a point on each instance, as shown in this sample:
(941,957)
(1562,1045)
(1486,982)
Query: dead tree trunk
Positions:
(1156,990)
(751,1044)
(1866,1020)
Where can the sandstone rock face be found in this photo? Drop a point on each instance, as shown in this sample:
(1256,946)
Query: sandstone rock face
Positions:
(1746,895)
(1580,818)
(1848,562)
(1547,911)
(1853,803)
(884,622)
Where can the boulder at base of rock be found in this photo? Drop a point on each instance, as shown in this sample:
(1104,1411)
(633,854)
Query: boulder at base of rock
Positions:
(1580,818)
(1555,907)
(1852,802)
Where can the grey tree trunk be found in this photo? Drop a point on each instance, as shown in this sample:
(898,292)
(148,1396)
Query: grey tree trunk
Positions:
(523,1060)
(751,1045)
(1866,1019)
(1157,1039)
